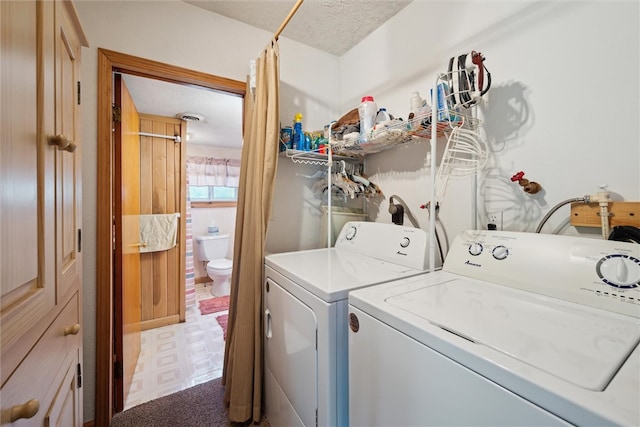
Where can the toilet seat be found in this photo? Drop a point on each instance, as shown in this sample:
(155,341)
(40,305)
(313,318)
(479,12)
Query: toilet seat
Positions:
(220,264)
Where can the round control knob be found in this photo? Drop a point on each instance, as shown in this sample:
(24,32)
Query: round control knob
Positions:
(500,252)
(351,233)
(619,270)
(405,242)
(475,249)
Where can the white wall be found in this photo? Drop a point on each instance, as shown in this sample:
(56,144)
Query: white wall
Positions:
(563,106)
(180,34)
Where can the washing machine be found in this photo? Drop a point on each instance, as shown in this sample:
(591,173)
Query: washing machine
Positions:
(305,317)
(516,329)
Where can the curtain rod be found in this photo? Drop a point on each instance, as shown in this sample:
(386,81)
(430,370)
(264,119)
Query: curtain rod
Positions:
(288,18)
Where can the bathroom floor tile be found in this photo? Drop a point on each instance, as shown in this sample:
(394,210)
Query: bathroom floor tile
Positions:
(178,356)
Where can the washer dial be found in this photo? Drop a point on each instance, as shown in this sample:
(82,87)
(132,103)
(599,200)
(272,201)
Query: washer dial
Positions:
(404,242)
(475,248)
(500,252)
(619,270)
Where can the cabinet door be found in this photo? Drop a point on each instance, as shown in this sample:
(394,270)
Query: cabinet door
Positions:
(27,211)
(67,164)
(40,195)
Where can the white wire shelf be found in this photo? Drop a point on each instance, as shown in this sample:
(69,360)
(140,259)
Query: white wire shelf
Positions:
(404,132)
(316,158)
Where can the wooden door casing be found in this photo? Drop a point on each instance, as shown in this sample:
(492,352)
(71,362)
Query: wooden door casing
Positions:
(108,62)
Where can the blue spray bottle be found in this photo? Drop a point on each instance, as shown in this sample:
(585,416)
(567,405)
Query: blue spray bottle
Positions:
(298,135)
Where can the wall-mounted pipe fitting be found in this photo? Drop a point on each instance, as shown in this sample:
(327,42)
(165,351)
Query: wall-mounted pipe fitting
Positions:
(399,209)
(530,187)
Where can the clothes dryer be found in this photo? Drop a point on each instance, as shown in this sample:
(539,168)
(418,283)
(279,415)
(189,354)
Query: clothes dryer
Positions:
(516,329)
(305,317)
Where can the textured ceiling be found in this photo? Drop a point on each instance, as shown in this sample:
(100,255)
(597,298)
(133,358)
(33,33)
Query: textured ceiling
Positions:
(333,26)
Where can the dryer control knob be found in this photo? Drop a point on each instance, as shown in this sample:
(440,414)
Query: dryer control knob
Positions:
(500,252)
(405,242)
(619,270)
(475,249)
(351,233)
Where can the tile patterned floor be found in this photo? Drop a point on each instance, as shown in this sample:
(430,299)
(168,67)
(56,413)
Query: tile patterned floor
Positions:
(178,356)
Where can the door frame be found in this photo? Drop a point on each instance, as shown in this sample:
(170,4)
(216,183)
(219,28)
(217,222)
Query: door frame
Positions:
(108,63)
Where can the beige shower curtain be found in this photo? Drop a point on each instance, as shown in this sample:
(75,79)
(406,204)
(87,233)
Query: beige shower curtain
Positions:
(242,374)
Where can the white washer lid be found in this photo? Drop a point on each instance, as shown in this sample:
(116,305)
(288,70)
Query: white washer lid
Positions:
(579,344)
(220,264)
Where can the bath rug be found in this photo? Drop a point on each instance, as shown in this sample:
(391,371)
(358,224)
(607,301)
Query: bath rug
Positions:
(214,305)
(222,320)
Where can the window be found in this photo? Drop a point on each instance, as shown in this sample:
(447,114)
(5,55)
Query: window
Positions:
(213,182)
(212,193)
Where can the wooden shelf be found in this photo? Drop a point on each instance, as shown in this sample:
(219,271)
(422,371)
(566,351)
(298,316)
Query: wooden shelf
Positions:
(622,213)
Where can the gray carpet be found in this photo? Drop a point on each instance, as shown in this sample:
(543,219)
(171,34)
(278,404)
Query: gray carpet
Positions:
(199,406)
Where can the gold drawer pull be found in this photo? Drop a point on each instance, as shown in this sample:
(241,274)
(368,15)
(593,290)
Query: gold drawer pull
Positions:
(72,330)
(26,410)
(63,143)
(139,245)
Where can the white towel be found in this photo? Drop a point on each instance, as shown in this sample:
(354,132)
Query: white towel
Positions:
(158,231)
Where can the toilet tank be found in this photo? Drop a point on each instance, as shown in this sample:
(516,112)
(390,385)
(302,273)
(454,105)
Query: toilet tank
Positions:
(212,247)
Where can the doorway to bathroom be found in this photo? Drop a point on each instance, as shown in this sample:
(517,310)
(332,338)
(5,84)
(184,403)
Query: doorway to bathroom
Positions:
(109,289)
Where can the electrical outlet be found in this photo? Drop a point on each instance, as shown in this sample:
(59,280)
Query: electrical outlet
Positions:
(495,219)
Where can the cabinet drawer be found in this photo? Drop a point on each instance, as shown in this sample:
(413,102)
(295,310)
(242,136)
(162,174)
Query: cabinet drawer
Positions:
(65,408)
(42,372)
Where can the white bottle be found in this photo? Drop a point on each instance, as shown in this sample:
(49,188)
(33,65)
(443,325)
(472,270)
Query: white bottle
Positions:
(415,103)
(383,116)
(367,111)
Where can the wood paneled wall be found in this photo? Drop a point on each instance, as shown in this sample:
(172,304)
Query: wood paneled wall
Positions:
(160,190)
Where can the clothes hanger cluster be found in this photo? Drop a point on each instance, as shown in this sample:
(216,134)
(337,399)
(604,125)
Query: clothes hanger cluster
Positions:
(348,181)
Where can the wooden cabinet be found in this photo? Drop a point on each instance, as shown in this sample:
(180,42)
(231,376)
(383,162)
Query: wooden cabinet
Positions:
(40,214)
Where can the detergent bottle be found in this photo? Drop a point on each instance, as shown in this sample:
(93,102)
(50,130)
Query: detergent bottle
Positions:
(298,135)
(367,111)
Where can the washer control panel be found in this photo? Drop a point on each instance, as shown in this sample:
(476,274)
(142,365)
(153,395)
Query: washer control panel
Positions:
(600,273)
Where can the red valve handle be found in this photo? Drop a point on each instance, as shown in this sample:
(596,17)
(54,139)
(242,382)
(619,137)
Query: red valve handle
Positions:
(517,177)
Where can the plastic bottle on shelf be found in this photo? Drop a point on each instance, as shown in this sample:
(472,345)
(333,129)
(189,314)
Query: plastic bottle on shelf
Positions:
(383,116)
(367,111)
(415,103)
(298,135)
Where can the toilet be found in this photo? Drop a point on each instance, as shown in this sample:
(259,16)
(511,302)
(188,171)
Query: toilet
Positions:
(213,249)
